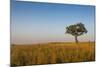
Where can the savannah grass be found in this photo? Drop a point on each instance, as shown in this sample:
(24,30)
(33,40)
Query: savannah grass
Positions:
(51,53)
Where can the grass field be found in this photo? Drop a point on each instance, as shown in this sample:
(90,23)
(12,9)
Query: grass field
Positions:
(51,53)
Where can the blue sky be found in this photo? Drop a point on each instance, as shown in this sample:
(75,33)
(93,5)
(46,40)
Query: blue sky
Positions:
(34,22)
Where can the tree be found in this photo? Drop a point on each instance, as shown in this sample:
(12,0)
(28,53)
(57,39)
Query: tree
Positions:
(76,30)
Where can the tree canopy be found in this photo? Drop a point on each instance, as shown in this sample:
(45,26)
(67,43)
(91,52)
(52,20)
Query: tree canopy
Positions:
(76,30)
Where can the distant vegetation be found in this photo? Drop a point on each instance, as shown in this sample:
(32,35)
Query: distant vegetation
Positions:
(76,30)
(52,53)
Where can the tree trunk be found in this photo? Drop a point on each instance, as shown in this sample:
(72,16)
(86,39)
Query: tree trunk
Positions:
(76,40)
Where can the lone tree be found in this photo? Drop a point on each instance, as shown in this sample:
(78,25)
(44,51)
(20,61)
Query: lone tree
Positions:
(76,30)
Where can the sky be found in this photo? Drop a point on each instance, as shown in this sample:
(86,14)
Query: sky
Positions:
(37,22)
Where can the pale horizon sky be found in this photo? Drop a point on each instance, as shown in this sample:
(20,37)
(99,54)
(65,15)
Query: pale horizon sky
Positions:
(35,22)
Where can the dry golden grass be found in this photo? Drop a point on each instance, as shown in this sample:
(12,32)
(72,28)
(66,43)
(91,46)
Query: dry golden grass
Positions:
(52,53)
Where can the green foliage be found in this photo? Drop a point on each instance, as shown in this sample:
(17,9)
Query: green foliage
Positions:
(76,29)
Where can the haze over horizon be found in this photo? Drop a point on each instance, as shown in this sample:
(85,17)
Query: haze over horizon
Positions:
(45,22)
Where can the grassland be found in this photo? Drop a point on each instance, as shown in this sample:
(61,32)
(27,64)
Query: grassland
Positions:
(51,53)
